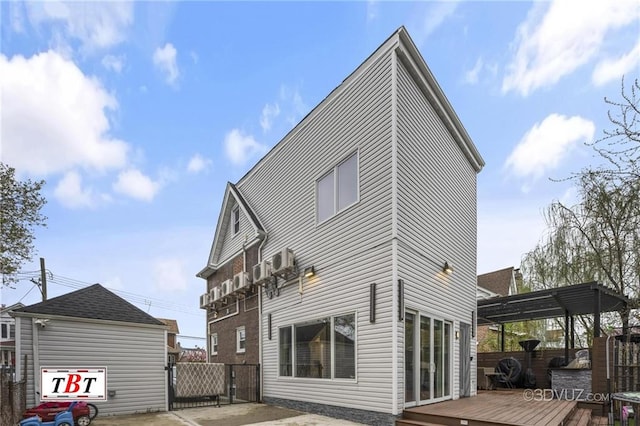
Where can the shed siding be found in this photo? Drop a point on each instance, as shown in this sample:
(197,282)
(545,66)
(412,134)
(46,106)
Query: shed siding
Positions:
(134,357)
(436,217)
(349,251)
(25,333)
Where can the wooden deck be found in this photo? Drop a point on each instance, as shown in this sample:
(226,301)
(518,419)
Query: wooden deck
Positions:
(497,408)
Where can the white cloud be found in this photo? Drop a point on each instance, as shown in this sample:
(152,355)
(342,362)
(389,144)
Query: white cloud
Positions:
(164,58)
(198,163)
(471,76)
(559,37)
(269,112)
(292,104)
(70,193)
(54,117)
(240,147)
(113,63)
(372,10)
(135,184)
(430,18)
(546,144)
(613,69)
(169,274)
(97,25)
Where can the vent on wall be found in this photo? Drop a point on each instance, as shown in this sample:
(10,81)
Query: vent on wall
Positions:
(261,272)
(283,262)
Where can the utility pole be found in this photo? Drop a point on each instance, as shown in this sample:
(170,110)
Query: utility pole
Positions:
(43,280)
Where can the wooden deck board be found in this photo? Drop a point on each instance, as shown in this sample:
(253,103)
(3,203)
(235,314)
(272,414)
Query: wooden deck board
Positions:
(498,408)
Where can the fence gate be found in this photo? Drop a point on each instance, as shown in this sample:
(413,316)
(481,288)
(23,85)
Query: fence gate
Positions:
(199,384)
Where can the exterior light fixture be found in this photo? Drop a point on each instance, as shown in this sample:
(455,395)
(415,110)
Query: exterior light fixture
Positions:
(448,268)
(309,272)
(457,334)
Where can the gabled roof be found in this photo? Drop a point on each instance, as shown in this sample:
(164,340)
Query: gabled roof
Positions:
(11,307)
(401,42)
(497,281)
(93,302)
(172,324)
(231,195)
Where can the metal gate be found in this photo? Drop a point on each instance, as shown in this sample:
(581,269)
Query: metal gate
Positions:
(205,384)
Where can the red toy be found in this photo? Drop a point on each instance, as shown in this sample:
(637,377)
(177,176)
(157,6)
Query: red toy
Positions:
(82,412)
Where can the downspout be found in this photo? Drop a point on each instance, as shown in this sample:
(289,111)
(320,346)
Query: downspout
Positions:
(262,235)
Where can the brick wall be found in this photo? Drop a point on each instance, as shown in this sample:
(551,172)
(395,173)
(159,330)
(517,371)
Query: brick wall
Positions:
(239,310)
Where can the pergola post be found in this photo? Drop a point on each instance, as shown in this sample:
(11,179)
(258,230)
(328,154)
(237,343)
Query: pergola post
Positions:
(502,337)
(566,336)
(596,313)
(573,332)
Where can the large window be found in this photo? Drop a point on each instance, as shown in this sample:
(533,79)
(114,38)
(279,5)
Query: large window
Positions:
(323,349)
(338,189)
(240,340)
(4,331)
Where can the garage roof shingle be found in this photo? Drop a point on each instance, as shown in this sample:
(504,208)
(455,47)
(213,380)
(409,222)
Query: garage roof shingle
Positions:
(93,302)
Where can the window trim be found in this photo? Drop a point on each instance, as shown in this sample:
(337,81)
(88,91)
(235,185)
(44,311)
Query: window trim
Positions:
(334,172)
(214,347)
(235,220)
(242,330)
(332,377)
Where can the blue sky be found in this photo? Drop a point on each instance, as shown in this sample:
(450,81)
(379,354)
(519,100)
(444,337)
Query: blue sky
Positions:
(137,114)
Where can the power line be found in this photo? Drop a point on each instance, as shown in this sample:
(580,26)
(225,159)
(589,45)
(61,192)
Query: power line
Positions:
(130,297)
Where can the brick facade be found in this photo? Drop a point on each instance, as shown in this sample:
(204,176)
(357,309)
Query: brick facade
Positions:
(236,311)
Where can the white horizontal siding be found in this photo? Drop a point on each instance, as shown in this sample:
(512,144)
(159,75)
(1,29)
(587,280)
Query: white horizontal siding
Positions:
(134,357)
(436,214)
(349,251)
(24,347)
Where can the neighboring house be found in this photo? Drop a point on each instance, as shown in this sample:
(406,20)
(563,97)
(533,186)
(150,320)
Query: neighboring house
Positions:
(173,347)
(93,327)
(8,335)
(494,284)
(349,227)
(231,303)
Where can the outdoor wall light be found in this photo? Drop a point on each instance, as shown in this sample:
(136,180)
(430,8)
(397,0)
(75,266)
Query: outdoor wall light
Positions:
(448,268)
(309,272)
(457,334)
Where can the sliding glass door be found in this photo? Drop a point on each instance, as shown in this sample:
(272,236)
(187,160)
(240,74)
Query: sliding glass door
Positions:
(428,359)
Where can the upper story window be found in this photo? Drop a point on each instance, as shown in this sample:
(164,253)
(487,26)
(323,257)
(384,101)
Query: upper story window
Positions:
(338,189)
(4,331)
(235,216)
(241,340)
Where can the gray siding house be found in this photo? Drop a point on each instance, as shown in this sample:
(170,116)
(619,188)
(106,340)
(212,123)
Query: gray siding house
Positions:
(93,327)
(368,225)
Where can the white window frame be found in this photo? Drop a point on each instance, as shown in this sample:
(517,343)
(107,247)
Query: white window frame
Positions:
(336,185)
(241,332)
(214,344)
(333,357)
(235,219)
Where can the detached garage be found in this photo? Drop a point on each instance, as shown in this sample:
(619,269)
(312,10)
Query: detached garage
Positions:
(94,327)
